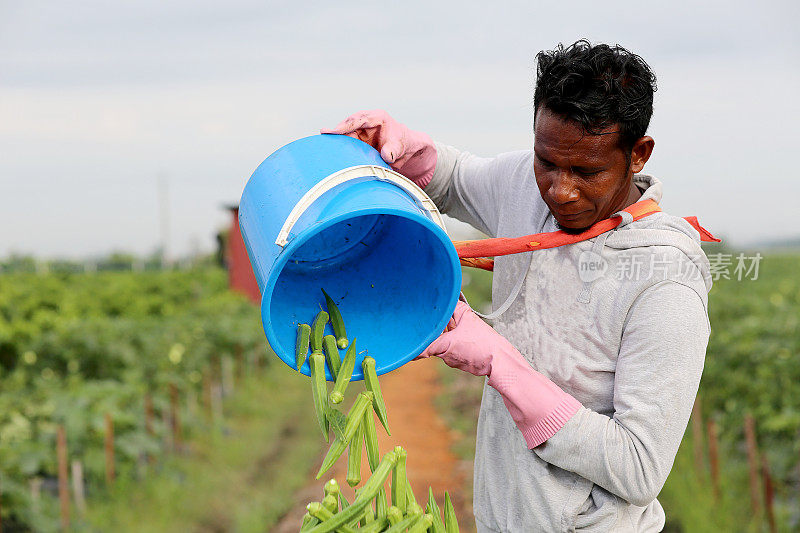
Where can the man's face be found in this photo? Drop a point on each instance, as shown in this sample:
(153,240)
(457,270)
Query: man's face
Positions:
(582,178)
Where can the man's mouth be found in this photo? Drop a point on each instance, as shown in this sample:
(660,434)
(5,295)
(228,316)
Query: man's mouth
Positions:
(572,222)
(571,216)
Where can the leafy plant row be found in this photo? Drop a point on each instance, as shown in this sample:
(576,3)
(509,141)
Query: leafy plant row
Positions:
(77,348)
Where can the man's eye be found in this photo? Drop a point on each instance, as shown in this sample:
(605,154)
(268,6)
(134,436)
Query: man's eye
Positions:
(592,173)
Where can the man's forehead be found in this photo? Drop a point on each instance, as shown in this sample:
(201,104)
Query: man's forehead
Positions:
(588,147)
(555,135)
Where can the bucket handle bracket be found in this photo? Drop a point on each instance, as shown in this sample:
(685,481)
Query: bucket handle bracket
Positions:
(354,173)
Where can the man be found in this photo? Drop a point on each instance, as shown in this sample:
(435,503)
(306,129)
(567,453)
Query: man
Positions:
(592,373)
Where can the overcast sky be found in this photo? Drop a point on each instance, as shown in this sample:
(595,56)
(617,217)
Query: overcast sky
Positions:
(98,99)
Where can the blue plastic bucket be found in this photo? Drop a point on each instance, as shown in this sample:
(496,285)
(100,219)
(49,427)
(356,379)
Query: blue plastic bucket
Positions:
(326,212)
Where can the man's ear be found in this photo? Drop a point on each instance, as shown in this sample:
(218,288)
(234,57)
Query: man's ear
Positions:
(641,152)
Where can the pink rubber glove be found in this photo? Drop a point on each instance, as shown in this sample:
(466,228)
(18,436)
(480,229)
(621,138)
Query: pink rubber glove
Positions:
(537,405)
(410,153)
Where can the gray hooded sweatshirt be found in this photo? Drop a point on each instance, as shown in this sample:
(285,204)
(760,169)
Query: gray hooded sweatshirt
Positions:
(618,321)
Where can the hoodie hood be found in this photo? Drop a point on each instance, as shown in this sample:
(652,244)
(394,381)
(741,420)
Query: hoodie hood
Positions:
(660,229)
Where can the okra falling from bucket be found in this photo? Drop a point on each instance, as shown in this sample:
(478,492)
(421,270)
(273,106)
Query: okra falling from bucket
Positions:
(326,212)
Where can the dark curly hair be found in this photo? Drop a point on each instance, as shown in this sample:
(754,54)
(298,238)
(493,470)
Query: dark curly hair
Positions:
(597,86)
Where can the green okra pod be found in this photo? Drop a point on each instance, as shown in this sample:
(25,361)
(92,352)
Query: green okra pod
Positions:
(365,496)
(354,457)
(405,523)
(318,331)
(337,448)
(355,415)
(410,499)
(320,391)
(376,526)
(332,355)
(337,421)
(354,418)
(331,488)
(372,385)
(308,522)
(394,515)
(433,510)
(399,481)
(369,516)
(371,439)
(331,503)
(318,510)
(413,508)
(336,321)
(343,501)
(345,373)
(421,525)
(301,346)
(381,506)
(450,522)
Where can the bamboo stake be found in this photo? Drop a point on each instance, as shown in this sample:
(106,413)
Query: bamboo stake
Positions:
(239,372)
(175,420)
(148,423)
(713,456)
(207,401)
(752,461)
(247,364)
(697,434)
(216,368)
(769,495)
(77,486)
(191,403)
(253,364)
(1,504)
(63,487)
(167,423)
(35,485)
(109,449)
(226,366)
(258,357)
(217,411)
(148,414)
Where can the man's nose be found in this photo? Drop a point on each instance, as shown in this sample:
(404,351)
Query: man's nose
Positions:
(562,189)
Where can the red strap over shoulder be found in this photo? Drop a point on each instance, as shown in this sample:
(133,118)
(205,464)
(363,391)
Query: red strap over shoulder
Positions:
(477,253)
(705,235)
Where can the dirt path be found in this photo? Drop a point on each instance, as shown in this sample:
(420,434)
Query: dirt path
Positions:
(409,393)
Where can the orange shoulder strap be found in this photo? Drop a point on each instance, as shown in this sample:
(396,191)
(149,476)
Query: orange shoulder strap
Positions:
(477,253)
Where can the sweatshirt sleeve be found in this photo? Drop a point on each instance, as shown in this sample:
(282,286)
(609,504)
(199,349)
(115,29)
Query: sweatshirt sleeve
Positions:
(658,371)
(470,188)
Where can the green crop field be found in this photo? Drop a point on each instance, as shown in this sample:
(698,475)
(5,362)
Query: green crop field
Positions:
(154,355)
(78,350)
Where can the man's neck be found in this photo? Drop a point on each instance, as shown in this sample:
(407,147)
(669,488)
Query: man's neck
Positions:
(633,196)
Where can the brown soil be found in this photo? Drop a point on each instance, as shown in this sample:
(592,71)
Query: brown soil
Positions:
(409,393)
